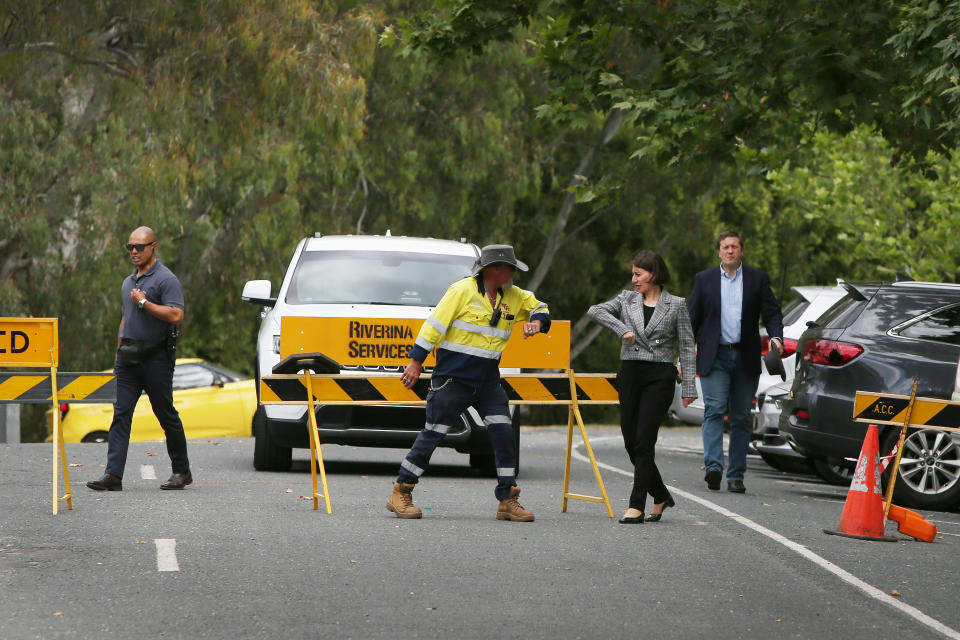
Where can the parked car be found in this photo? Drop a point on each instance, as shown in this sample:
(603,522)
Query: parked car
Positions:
(358,277)
(807,303)
(768,441)
(877,338)
(213,402)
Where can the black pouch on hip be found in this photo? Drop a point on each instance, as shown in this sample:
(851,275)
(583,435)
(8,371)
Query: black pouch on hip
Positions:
(133,352)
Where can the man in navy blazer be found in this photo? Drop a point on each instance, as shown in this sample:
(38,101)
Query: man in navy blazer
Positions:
(725,310)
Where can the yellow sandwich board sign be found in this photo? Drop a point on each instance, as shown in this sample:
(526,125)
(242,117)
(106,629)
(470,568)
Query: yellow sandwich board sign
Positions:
(387,342)
(29,342)
(926,413)
(33,342)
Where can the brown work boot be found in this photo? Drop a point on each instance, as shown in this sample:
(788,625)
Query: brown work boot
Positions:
(401,501)
(510,509)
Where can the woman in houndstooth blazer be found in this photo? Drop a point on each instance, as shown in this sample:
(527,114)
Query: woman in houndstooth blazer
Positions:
(650,323)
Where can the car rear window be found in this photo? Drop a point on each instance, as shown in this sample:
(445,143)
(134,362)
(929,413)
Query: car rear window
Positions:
(375,277)
(794,309)
(842,314)
(940,326)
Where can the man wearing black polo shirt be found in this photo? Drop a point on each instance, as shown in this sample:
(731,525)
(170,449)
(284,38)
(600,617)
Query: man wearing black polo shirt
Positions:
(152,306)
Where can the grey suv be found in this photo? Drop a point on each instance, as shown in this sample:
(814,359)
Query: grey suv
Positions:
(877,338)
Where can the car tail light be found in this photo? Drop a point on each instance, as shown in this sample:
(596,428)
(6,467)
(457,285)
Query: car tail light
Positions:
(803,414)
(789,347)
(64,408)
(832,353)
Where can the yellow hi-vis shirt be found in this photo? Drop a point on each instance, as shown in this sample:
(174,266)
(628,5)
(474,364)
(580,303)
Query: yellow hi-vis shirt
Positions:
(459,328)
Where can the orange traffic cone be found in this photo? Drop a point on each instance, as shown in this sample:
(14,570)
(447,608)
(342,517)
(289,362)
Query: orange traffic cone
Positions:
(912,523)
(862,515)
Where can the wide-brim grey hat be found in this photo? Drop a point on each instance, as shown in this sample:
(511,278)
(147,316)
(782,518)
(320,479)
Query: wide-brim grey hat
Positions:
(774,363)
(497,254)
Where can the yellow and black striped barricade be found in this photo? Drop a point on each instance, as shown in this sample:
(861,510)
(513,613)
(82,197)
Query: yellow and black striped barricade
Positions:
(34,342)
(905,412)
(568,389)
(36,388)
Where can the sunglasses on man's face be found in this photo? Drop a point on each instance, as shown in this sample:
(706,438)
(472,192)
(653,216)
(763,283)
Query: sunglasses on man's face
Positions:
(140,246)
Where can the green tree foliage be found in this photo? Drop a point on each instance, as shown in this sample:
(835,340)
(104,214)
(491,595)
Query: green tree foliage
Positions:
(222,126)
(709,77)
(580,132)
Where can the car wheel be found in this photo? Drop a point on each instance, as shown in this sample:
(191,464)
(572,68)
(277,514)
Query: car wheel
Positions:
(833,473)
(96,436)
(929,474)
(787,464)
(267,456)
(484,463)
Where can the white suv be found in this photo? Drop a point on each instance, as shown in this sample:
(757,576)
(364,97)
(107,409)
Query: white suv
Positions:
(358,277)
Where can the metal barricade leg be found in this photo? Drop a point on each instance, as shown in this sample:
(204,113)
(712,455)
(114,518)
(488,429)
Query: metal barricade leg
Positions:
(575,413)
(316,454)
(59,451)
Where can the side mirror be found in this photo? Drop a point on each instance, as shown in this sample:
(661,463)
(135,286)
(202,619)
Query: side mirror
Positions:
(258,292)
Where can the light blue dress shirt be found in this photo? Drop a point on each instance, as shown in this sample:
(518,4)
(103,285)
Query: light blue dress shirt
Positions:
(731,305)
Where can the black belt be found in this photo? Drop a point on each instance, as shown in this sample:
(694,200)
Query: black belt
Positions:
(735,345)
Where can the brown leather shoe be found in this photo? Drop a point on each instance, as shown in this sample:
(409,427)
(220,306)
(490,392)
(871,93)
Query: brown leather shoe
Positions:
(106,483)
(510,509)
(178,481)
(401,501)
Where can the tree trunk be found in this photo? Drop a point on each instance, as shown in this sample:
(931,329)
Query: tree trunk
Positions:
(610,127)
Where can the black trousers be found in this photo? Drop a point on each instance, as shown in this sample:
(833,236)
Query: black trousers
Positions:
(155,376)
(646,391)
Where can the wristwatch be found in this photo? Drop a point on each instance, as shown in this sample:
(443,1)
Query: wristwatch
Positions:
(142,302)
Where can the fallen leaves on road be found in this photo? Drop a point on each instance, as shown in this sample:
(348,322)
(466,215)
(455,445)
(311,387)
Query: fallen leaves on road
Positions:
(895,592)
(151,453)
(57,613)
(289,491)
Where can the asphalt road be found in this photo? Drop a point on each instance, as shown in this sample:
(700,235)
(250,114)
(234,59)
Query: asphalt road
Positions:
(242,554)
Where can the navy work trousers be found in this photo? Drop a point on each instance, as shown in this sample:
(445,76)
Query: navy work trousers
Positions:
(446,400)
(155,376)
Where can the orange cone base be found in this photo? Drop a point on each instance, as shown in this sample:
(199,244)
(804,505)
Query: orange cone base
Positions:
(853,535)
(912,524)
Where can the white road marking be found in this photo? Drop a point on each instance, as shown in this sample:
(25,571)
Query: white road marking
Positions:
(799,549)
(166,554)
(812,483)
(950,522)
(147,472)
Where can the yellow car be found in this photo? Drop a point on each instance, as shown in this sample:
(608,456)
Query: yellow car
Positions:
(213,402)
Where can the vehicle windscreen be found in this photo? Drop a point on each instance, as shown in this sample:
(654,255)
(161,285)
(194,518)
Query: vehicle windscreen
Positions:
(375,277)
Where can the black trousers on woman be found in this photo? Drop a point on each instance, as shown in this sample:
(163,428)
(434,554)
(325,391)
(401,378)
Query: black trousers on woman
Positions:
(646,391)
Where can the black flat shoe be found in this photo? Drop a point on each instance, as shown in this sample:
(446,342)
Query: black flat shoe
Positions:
(637,520)
(178,481)
(106,483)
(655,517)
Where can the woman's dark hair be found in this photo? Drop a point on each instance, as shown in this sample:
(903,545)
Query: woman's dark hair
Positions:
(652,262)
